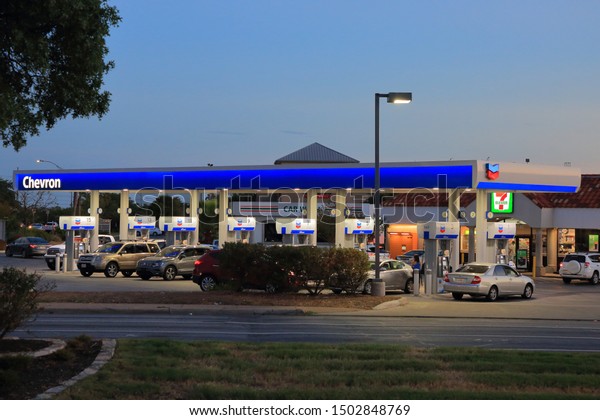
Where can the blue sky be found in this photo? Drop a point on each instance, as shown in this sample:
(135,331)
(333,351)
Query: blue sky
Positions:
(246,82)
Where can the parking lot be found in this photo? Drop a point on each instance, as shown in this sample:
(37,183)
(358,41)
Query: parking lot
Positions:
(578,294)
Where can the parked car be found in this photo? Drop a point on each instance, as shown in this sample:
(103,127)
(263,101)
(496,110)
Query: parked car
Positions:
(396,274)
(115,257)
(38,226)
(170,262)
(155,232)
(489,280)
(27,247)
(208,274)
(580,266)
(50,226)
(52,251)
(407,257)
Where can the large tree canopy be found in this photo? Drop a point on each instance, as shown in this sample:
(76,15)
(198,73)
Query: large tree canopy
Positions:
(52,63)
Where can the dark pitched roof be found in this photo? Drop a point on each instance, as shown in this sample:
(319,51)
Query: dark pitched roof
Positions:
(426,199)
(588,196)
(315,153)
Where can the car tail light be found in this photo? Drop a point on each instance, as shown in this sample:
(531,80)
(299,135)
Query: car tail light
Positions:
(197,263)
(446,278)
(32,246)
(476,280)
(587,264)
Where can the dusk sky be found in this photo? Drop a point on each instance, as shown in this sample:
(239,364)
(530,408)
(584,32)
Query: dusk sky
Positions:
(246,82)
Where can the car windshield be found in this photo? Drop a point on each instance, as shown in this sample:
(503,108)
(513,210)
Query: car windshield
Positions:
(473,268)
(170,252)
(110,248)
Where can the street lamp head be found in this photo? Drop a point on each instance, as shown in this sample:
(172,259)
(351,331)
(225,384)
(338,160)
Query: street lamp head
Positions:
(399,97)
(47,161)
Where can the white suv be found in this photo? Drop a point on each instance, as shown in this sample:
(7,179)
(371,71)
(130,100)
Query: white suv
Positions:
(580,266)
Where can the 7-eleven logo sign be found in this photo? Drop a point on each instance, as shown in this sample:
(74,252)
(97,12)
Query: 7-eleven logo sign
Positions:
(501,202)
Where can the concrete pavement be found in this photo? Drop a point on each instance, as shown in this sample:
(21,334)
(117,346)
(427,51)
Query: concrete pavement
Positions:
(568,303)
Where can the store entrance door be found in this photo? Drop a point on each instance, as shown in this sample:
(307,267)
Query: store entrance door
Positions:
(523,253)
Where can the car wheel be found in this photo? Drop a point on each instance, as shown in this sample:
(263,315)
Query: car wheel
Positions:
(336,290)
(207,283)
(170,273)
(51,265)
(595,279)
(368,287)
(457,296)
(85,273)
(528,292)
(492,295)
(127,273)
(27,254)
(410,286)
(270,288)
(9,252)
(111,270)
(145,277)
(566,280)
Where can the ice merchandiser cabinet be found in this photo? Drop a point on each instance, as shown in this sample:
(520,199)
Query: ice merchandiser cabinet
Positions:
(296,231)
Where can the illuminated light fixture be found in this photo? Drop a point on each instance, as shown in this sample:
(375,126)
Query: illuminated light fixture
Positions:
(399,97)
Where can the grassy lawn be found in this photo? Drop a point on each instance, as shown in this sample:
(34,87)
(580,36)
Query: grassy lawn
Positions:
(165,369)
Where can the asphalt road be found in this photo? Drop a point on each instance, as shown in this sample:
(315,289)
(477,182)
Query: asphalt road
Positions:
(559,318)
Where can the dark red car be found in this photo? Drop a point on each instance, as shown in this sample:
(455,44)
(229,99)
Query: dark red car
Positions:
(208,273)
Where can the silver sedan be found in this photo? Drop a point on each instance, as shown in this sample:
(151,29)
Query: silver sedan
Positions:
(489,280)
(397,275)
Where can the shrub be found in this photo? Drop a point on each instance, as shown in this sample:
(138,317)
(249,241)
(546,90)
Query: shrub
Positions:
(18,297)
(350,268)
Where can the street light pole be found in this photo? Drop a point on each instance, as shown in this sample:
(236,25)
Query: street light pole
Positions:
(74,195)
(378,288)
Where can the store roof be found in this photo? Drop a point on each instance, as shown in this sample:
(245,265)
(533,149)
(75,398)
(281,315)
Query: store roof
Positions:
(588,196)
(315,153)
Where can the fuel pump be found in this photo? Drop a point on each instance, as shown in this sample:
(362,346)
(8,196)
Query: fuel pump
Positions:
(177,228)
(501,233)
(436,259)
(359,229)
(296,231)
(71,224)
(140,226)
(239,229)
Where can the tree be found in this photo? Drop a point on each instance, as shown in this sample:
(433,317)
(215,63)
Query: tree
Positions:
(51,63)
(19,293)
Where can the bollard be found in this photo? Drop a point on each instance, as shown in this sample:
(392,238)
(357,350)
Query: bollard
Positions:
(417,282)
(64,266)
(428,282)
(378,287)
(57,263)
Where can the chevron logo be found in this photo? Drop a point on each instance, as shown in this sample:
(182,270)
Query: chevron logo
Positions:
(492,170)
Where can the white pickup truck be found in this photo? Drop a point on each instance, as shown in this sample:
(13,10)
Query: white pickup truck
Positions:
(51,253)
